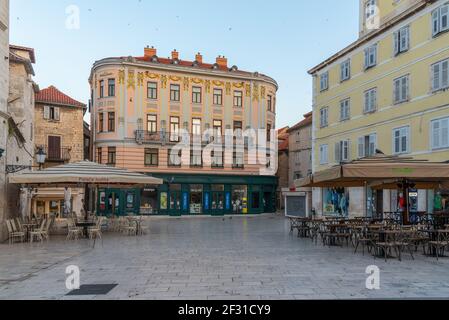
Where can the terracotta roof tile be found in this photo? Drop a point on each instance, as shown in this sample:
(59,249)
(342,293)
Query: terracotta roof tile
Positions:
(52,95)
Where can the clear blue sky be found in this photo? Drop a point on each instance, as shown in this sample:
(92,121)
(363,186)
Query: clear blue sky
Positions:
(282,38)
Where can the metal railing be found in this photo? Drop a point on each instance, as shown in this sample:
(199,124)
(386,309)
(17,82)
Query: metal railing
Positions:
(58,154)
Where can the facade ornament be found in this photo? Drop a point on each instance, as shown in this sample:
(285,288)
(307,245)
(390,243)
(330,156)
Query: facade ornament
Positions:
(248,90)
(228,88)
(164,81)
(262,92)
(238,85)
(196,80)
(208,84)
(255,92)
(121,76)
(175,78)
(151,75)
(218,83)
(186,83)
(140,77)
(131,79)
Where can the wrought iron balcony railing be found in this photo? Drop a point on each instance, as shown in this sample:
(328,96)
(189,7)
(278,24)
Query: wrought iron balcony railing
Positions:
(58,154)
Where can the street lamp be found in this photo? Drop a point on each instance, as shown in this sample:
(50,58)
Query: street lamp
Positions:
(40,157)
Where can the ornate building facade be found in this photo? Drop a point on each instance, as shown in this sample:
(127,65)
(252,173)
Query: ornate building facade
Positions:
(139,107)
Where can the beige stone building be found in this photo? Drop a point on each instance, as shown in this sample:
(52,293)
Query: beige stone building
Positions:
(283,165)
(4,87)
(300,150)
(59,131)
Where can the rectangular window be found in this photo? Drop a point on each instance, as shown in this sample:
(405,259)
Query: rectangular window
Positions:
(101,88)
(152,90)
(196,94)
(345,70)
(151,157)
(174,160)
(370,9)
(218,128)
(270,103)
(111,87)
(345,110)
(401,89)
(324,81)
(51,113)
(440,133)
(100,122)
(370,104)
(401,40)
(440,20)
(371,56)
(367,146)
(342,151)
(100,155)
(175,92)
(112,156)
(111,121)
(324,156)
(217,159)
(324,117)
(218,97)
(401,140)
(196,158)
(196,127)
(151,123)
(238,160)
(440,75)
(238,99)
(174,129)
(268,132)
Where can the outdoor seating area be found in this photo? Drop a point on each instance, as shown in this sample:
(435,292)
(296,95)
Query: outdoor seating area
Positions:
(28,229)
(382,238)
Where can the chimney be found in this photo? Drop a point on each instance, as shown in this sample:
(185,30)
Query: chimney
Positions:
(222,61)
(150,52)
(199,58)
(175,55)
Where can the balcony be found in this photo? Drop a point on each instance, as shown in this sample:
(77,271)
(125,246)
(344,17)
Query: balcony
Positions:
(58,154)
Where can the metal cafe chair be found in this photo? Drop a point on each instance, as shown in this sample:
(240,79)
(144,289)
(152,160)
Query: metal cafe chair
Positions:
(441,243)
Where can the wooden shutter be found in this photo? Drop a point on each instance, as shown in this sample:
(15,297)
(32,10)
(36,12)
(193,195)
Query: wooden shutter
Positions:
(57,116)
(361,147)
(396,42)
(444,18)
(366,58)
(445,74)
(435,22)
(405,39)
(46,112)
(397,89)
(338,151)
(54,147)
(372,144)
(436,76)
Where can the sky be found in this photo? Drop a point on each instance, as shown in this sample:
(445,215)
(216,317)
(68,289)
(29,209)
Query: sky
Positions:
(282,39)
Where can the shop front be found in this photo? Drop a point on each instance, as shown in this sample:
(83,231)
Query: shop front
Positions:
(193,195)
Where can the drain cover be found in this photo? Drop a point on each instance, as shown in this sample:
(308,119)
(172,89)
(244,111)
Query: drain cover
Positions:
(92,290)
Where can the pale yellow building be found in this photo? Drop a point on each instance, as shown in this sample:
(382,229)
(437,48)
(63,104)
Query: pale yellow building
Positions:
(386,92)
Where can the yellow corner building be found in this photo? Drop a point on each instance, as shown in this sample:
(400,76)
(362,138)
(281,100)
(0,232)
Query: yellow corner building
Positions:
(386,92)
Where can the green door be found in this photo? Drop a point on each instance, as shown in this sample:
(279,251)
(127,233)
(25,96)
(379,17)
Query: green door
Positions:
(114,203)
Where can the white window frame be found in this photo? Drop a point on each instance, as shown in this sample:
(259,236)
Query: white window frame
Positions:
(324,154)
(440,80)
(324,117)
(401,39)
(404,132)
(371,56)
(345,70)
(343,151)
(440,20)
(439,135)
(370,100)
(324,81)
(362,147)
(401,89)
(370,9)
(345,109)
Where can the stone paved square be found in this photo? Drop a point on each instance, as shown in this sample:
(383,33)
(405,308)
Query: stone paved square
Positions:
(210,258)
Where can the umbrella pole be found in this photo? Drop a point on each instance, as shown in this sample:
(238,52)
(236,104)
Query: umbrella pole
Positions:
(86,190)
(405,218)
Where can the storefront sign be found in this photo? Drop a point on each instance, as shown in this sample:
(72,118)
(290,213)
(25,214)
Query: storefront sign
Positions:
(228,201)
(206,201)
(185,201)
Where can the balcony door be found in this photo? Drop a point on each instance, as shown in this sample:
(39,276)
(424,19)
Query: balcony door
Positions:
(54,148)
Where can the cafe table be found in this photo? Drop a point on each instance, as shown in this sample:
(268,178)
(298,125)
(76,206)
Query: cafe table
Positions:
(85,226)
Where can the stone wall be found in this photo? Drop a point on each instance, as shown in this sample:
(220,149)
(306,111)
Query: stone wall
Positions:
(300,141)
(4,87)
(69,128)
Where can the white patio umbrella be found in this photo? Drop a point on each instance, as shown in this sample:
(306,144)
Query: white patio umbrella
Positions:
(67,201)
